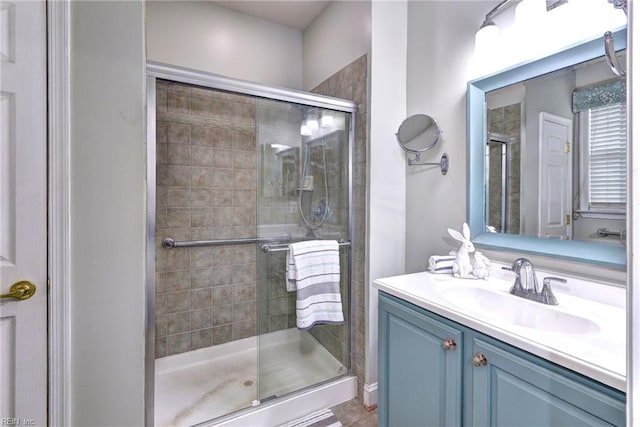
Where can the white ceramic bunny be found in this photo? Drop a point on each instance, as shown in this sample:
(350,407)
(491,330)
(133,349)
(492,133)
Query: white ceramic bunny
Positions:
(462,265)
(480,265)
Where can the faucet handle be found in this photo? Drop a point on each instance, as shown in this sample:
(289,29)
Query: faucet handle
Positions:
(547,296)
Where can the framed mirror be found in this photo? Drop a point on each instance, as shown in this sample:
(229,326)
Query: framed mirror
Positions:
(539,182)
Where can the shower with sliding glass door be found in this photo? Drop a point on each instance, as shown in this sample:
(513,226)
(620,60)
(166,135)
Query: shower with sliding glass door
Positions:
(236,173)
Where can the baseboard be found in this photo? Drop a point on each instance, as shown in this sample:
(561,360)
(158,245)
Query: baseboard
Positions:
(371,395)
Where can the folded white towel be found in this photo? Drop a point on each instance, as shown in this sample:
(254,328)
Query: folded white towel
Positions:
(291,273)
(316,269)
(441,263)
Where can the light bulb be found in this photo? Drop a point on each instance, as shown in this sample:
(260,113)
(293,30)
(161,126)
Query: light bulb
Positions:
(487,39)
(529,12)
(326,120)
(312,124)
(305,130)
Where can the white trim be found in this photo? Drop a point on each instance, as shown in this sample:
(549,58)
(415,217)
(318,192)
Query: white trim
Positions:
(59,212)
(602,215)
(370,395)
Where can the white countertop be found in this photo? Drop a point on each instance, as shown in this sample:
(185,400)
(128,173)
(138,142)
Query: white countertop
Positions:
(599,354)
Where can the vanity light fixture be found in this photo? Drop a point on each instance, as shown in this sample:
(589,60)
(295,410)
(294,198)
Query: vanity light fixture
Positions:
(530,11)
(620,4)
(489,33)
(527,11)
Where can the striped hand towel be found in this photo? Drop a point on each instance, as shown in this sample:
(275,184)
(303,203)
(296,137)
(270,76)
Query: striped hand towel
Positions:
(317,280)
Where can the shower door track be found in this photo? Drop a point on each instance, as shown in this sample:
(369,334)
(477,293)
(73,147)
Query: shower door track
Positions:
(214,81)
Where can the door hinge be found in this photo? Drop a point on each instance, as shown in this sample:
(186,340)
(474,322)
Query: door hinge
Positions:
(568,220)
(567,147)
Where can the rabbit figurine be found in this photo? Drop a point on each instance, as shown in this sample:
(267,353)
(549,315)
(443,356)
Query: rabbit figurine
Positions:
(462,265)
(480,265)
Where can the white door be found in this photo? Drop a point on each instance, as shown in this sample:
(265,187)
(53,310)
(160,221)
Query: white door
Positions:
(23,230)
(554,197)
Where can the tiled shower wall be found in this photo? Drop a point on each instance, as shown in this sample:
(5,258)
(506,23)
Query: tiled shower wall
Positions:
(352,83)
(207,186)
(507,120)
(206,189)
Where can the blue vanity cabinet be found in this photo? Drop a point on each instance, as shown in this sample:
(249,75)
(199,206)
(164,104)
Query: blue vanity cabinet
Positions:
(420,380)
(483,382)
(505,386)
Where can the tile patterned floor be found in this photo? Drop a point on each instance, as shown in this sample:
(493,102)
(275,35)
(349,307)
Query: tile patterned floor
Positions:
(353,414)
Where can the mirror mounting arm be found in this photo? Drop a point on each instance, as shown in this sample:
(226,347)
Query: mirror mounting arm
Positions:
(443,163)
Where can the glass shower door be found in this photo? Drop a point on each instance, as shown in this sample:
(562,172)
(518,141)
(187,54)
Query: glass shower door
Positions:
(303,194)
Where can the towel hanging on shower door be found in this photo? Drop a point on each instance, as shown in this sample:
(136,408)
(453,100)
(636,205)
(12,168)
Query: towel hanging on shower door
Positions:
(316,270)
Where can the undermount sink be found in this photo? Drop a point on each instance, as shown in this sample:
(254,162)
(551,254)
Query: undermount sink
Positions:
(519,311)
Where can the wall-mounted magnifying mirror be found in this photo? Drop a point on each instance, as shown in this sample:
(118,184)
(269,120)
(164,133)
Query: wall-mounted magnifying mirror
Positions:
(420,133)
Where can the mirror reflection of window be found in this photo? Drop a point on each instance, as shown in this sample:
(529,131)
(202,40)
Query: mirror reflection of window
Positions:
(603,162)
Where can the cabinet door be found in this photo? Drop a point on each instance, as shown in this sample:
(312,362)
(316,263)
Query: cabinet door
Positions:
(420,381)
(514,389)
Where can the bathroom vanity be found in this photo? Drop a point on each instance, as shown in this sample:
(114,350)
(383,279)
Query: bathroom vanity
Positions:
(466,352)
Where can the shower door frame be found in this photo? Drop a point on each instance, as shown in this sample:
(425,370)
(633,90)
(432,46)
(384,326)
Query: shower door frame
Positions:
(157,70)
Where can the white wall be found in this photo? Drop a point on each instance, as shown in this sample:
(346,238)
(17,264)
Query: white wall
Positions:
(386,174)
(206,37)
(107,213)
(336,38)
(440,51)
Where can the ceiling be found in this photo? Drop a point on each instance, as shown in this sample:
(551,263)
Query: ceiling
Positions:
(296,14)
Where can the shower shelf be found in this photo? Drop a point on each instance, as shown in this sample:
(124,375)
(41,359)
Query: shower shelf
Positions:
(169,243)
(279,247)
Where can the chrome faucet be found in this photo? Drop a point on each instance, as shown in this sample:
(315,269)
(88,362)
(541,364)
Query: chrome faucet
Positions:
(526,283)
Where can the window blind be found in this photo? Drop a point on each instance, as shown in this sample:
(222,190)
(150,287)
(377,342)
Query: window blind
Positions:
(608,157)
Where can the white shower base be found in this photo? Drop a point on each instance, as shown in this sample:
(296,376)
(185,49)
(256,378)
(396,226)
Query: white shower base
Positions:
(197,386)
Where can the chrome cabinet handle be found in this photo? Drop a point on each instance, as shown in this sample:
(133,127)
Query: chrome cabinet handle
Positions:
(479,359)
(449,344)
(20,290)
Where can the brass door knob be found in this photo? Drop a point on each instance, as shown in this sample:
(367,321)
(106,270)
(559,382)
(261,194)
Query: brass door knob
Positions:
(20,290)
(479,359)
(449,344)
